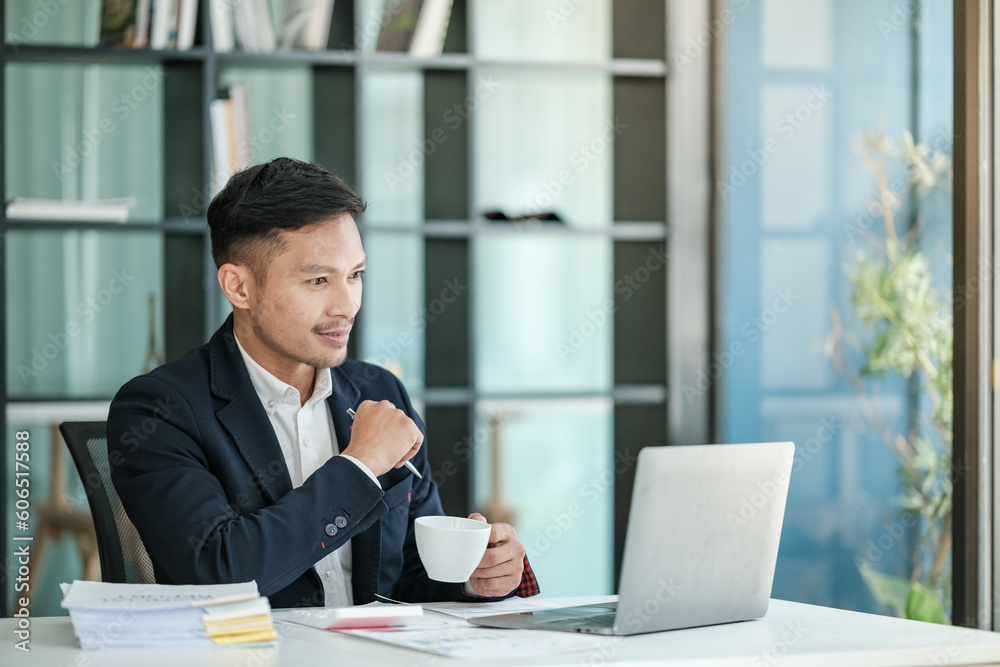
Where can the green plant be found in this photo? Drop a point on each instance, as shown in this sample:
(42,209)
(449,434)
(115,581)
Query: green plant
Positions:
(906,330)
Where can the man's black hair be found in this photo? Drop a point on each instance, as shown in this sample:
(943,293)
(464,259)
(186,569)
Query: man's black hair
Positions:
(284,194)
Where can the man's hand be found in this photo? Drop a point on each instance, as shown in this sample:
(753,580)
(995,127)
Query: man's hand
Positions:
(383,437)
(499,571)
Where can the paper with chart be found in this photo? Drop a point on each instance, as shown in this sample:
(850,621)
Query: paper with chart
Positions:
(466,641)
(444,630)
(472,609)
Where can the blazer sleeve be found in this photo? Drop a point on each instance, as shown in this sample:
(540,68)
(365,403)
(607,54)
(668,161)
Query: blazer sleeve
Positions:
(204,517)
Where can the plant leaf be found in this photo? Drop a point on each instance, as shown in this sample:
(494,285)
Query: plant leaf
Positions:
(923,605)
(893,592)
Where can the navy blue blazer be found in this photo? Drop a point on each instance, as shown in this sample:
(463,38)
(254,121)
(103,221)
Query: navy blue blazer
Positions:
(200,473)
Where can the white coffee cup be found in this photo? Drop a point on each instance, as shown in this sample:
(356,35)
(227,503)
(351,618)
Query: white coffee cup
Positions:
(451,547)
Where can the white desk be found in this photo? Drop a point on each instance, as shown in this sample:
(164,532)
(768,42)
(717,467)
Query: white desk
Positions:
(790,635)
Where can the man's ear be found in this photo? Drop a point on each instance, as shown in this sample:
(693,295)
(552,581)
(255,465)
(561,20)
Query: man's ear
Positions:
(238,284)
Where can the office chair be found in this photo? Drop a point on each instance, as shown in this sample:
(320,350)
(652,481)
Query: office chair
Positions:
(123,555)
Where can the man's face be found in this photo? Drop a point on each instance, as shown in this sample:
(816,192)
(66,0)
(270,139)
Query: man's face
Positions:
(304,313)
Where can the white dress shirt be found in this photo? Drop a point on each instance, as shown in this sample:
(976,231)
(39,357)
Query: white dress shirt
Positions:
(307,440)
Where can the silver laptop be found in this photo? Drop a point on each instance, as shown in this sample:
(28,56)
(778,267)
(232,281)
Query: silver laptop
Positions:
(701,543)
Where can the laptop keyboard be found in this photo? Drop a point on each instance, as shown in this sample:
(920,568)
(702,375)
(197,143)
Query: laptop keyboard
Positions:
(595,621)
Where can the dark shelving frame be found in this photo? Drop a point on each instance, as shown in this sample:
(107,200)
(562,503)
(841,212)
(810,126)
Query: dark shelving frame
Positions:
(639,75)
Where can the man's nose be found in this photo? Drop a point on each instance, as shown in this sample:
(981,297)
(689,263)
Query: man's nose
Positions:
(342,302)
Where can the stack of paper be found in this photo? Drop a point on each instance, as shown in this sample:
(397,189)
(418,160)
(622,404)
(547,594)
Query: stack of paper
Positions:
(134,615)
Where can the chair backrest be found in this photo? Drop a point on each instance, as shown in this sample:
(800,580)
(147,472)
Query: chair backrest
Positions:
(123,555)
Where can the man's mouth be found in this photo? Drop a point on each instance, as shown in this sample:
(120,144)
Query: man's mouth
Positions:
(338,337)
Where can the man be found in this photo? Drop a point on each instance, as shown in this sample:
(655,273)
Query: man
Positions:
(227,459)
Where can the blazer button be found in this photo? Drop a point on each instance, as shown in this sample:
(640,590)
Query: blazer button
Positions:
(331,529)
(340,522)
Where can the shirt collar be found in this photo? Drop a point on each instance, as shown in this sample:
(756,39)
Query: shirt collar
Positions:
(272,391)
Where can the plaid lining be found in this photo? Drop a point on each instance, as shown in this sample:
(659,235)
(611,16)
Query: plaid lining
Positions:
(529,585)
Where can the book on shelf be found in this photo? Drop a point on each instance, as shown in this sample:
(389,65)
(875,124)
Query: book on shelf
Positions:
(239,97)
(187,22)
(64,210)
(418,28)
(221,16)
(156,24)
(118,22)
(306,25)
(142,20)
(163,23)
(254,32)
(219,113)
(231,147)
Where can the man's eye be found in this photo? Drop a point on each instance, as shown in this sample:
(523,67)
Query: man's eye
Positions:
(318,281)
(357,274)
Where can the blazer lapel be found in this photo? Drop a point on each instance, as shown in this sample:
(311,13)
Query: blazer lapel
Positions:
(345,395)
(244,417)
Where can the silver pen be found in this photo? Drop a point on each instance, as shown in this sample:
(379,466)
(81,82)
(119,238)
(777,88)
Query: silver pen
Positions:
(409,466)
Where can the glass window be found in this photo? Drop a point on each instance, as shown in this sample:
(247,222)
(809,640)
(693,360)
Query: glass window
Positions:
(562,504)
(392,135)
(543,29)
(393,313)
(79,307)
(540,313)
(836,324)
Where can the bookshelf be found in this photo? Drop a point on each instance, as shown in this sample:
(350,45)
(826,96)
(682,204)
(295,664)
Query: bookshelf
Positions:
(359,112)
